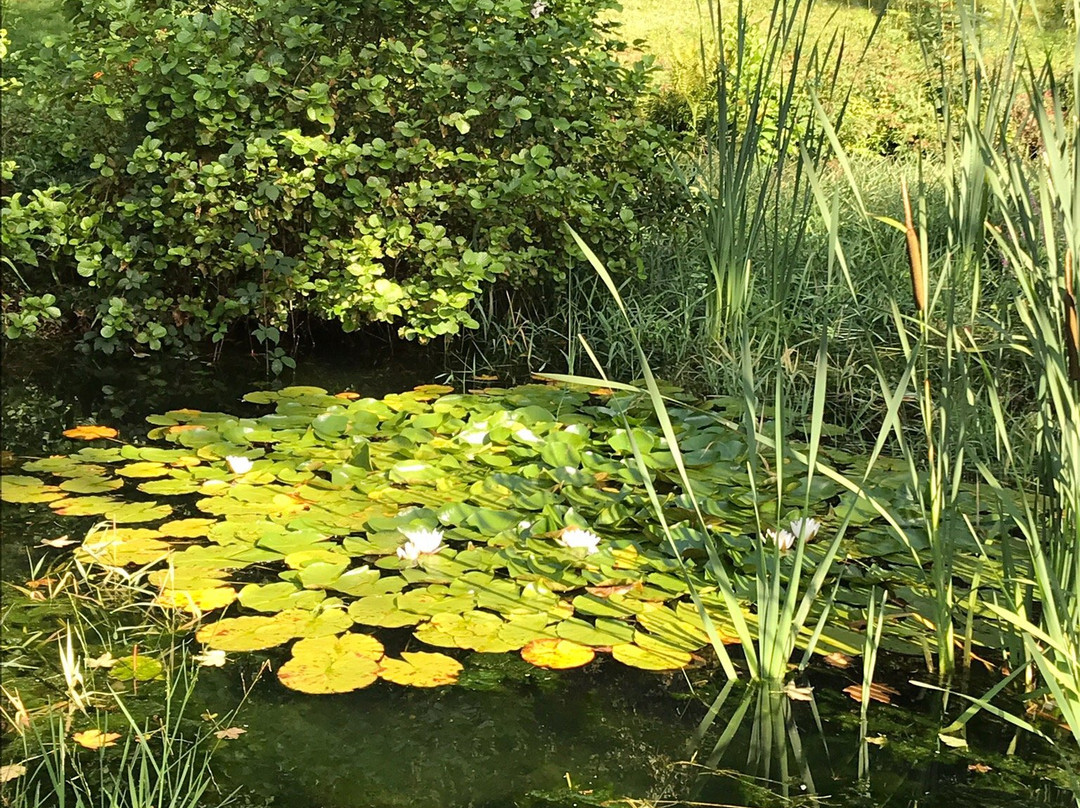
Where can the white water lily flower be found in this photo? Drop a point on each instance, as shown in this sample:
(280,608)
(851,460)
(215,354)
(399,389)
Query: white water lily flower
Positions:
(420,542)
(213,658)
(805,529)
(782,539)
(576,538)
(239,464)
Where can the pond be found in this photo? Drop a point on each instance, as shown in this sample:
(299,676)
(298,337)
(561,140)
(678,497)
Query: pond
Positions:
(505,732)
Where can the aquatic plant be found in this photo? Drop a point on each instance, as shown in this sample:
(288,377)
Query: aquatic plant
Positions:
(304,546)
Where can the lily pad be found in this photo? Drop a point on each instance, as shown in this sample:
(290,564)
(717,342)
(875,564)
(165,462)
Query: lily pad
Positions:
(278,597)
(335,664)
(420,669)
(139,667)
(650,659)
(16,488)
(121,547)
(196,601)
(557,653)
(383,611)
(90,485)
(245,634)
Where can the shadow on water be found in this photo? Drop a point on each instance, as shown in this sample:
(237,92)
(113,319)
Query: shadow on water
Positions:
(511,734)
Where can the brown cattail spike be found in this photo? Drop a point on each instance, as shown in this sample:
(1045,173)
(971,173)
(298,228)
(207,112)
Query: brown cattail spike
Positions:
(1072,328)
(918,275)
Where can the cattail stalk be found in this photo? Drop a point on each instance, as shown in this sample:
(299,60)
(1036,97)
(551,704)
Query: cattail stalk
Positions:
(918,273)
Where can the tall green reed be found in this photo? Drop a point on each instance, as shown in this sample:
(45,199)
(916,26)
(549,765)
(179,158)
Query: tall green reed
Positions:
(1000,286)
(754,195)
(1036,204)
(790,613)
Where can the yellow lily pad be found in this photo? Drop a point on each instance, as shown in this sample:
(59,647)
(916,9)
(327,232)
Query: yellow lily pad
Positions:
(90,432)
(196,601)
(650,659)
(335,664)
(420,669)
(557,654)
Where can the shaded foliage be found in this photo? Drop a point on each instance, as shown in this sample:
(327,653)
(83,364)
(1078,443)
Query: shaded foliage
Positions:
(182,167)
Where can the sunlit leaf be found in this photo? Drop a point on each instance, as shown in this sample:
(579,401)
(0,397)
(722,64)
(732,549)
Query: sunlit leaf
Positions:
(90,432)
(95,738)
(420,669)
(556,653)
(334,664)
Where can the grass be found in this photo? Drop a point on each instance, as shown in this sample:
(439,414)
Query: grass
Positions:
(57,687)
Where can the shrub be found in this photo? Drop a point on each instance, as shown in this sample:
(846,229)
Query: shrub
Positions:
(355,161)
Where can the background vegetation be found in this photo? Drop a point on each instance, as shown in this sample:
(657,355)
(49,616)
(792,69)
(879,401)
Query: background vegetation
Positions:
(859,224)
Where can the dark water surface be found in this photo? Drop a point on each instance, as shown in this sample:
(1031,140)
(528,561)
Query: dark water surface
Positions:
(510,734)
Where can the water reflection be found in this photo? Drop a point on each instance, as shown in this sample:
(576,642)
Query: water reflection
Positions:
(776,758)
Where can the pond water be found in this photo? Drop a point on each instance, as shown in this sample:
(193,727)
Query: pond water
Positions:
(508,733)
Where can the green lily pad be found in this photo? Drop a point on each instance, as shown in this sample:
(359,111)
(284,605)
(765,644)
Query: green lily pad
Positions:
(668,627)
(383,611)
(364,581)
(169,487)
(139,667)
(433,600)
(186,528)
(122,547)
(143,469)
(278,597)
(16,488)
(90,485)
(476,630)
(650,659)
(584,633)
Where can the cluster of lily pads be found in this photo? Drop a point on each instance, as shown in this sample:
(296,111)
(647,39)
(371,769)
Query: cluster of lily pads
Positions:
(499,520)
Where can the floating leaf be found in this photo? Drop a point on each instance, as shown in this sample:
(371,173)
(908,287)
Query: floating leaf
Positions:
(383,611)
(90,485)
(143,469)
(186,528)
(258,633)
(244,634)
(520,630)
(16,488)
(277,597)
(90,432)
(106,660)
(95,738)
(120,547)
(363,581)
(139,667)
(11,771)
(878,692)
(196,601)
(57,543)
(211,659)
(169,487)
(952,741)
(229,734)
(584,633)
(557,653)
(476,630)
(332,664)
(650,659)
(420,669)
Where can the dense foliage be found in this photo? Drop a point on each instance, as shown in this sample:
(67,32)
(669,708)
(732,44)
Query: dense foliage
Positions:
(181,167)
